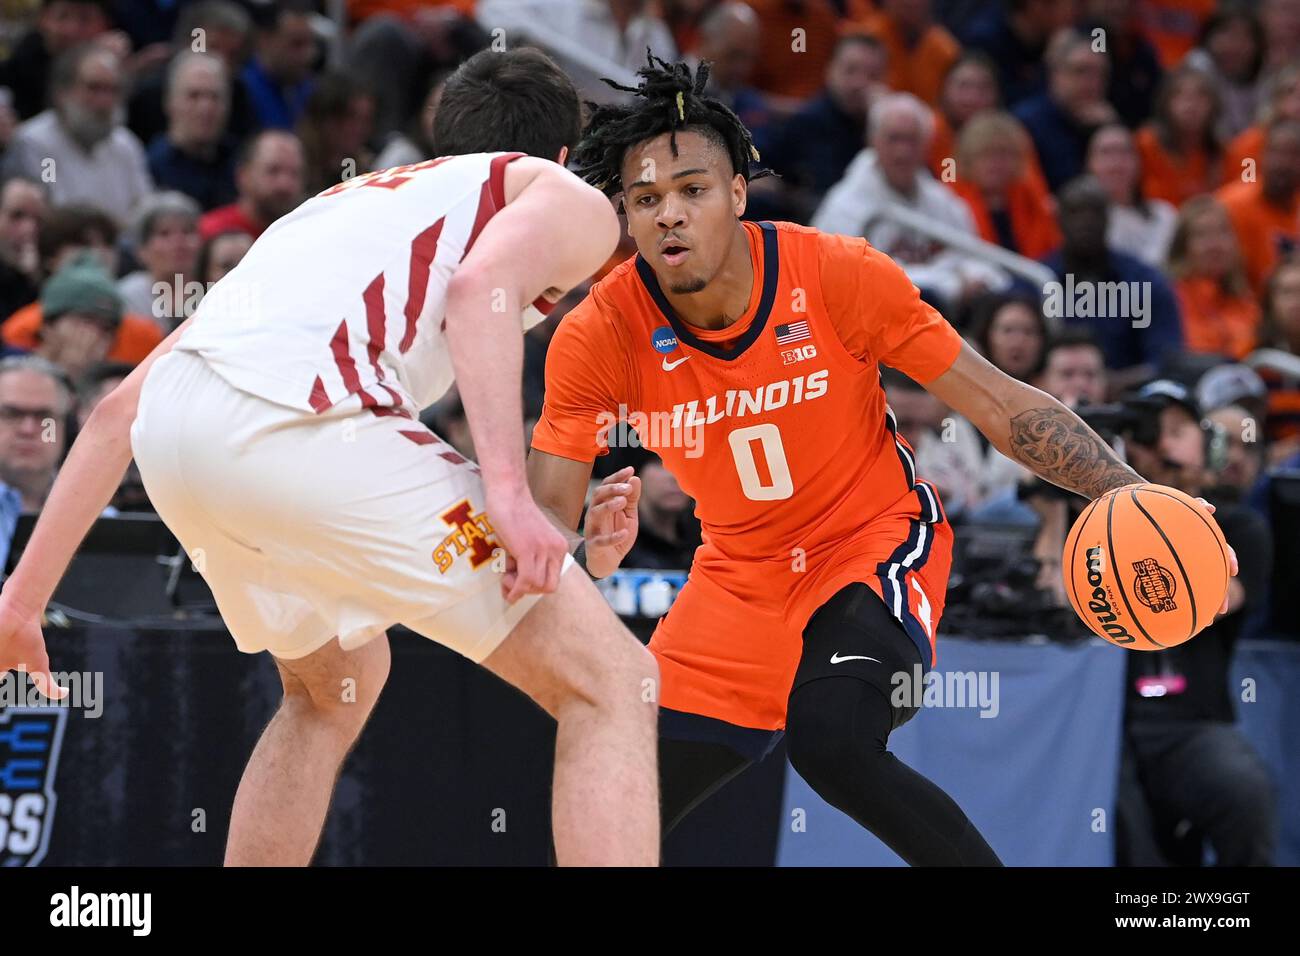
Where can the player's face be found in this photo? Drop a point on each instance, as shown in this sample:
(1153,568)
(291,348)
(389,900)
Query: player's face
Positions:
(682,210)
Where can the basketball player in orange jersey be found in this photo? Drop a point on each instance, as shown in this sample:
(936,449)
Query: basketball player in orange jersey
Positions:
(747,357)
(282,442)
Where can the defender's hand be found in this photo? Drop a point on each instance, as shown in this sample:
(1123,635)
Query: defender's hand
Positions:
(611,523)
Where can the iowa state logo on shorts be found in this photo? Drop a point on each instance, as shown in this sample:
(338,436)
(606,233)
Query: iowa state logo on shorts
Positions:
(30,738)
(1154,586)
(471,535)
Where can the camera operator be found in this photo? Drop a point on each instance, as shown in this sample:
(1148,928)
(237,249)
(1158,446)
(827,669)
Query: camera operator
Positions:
(1184,760)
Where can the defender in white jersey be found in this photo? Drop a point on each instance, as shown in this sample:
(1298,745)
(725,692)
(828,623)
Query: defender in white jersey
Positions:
(276,433)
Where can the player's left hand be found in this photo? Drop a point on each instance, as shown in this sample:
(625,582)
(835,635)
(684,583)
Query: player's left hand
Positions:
(1232,555)
(611,524)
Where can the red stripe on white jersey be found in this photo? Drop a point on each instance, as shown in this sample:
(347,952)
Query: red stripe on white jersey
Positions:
(423,250)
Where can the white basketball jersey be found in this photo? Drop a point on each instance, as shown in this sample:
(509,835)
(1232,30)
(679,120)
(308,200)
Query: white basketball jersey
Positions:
(341,301)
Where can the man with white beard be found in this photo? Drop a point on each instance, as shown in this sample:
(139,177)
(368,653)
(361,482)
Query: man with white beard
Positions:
(79,146)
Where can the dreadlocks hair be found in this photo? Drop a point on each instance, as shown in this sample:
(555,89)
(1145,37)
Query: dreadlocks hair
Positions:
(669,100)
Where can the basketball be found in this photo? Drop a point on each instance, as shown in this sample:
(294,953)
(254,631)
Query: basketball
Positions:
(1146,567)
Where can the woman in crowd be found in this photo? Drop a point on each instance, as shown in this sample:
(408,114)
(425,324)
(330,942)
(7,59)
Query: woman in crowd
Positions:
(1138,225)
(165,236)
(1179,148)
(335,131)
(1220,314)
(1280,331)
(1231,54)
(1010,205)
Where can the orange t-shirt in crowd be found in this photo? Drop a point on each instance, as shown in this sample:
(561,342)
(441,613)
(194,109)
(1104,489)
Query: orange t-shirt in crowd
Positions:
(1176,179)
(137,336)
(791,64)
(1248,144)
(1265,232)
(1172,26)
(919,67)
(1033,218)
(1215,321)
(777,427)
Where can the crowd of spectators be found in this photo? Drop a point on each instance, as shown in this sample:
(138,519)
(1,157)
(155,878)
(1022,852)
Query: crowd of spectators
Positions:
(1002,151)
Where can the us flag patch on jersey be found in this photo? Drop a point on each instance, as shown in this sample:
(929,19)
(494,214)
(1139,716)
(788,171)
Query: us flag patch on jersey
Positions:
(794,332)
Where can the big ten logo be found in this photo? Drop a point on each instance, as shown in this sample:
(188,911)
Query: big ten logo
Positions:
(471,534)
(790,356)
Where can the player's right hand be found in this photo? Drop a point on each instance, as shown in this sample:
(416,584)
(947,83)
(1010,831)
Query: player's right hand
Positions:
(535,547)
(22,648)
(611,525)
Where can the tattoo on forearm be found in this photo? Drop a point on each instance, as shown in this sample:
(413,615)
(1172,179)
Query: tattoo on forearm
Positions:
(1057,446)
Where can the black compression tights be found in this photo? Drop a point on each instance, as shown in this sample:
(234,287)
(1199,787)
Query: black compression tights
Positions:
(836,731)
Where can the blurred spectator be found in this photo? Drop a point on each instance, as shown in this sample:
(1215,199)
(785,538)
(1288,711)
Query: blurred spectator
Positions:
(1014,34)
(1010,331)
(92,389)
(221,253)
(166,242)
(1220,313)
(35,406)
(793,64)
(409,42)
(1061,120)
(1184,759)
(195,156)
(1179,148)
(892,173)
(335,131)
(1265,211)
(667,533)
(812,148)
(81,311)
(970,87)
(1231,54)
(269,180)
(1010,204)
(416,143)
(66,234)
(61,25)
(1138,225)
(1134,64)
(78,146)
(1281,20)
(1243,451)
(22,204)
(920,51)
(1138,326)
(219,28)
(729,41)
(1073,368)
(1172,26)
(1281,100)
(1234,384)
(1280,330)
(685,20)
(278,76)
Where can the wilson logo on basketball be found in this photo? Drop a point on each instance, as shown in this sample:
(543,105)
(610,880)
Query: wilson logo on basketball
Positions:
(472,536)
(1154,586)
(1100,604)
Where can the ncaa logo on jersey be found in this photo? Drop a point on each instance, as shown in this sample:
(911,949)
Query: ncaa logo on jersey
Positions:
(664,340)
(30,739)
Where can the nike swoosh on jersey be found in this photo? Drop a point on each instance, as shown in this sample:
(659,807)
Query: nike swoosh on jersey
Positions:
(669,366)
(836,659)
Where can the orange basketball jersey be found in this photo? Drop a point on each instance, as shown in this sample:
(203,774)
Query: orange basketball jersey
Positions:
(777,426)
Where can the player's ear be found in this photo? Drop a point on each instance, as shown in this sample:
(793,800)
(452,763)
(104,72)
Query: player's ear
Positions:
(564,155)
(739,194)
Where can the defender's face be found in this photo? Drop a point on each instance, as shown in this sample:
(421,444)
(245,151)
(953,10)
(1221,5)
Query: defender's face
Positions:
(682,209)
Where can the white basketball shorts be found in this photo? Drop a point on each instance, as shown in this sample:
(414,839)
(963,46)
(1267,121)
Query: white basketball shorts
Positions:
(306,527)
